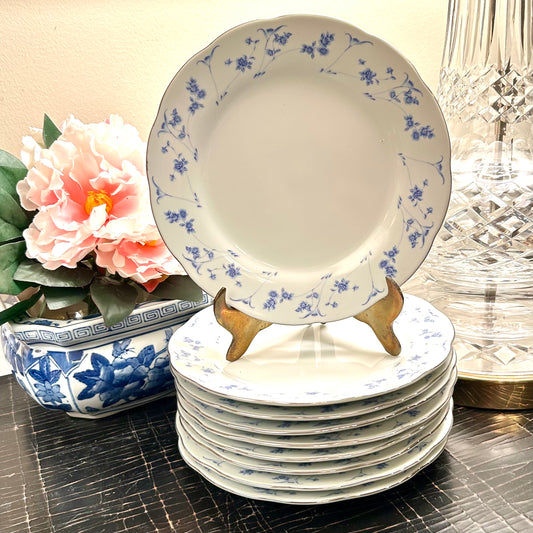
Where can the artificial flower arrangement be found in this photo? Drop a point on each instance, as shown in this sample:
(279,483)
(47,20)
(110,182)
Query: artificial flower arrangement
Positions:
(76,225)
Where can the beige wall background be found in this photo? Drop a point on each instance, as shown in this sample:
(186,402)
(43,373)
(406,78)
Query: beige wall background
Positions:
(93,58)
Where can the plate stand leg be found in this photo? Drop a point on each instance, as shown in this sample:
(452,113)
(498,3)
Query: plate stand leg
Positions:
(382,314)
(242,327)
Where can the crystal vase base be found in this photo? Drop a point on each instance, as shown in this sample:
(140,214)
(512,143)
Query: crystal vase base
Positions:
(493,342)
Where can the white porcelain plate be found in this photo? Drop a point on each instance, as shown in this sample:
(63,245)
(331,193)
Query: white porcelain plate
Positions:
(374,431)
(311,427)
(297,162)
(325,481)
(312,365)
(317,413)
(289,456)
(275,464)
(303,497)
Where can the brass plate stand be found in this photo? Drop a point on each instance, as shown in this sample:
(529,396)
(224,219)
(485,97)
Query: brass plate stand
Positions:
(244,328)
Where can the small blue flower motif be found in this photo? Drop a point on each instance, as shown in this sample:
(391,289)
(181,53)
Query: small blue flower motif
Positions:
(416,194)
(285,295)
(413,238)
(341,285)
(409,98)
(176,119)
(409,122)
(232,271)
(390,72)
(180,164)
(362,61)
(195,105)
(165,148)
(415,135)
(243,63)
(392,253)
(309,49)
(270,304)
(192,86)
(304,306)
(425,183)
(282,39)
(390,270)
(368,76)
(327,38)
(180,217)
(248,41)
(426,131)
(194,251)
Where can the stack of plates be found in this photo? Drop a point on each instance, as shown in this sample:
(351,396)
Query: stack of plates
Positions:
(314,414)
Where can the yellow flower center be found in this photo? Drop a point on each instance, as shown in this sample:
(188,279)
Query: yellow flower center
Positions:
(96,198)
(150,243)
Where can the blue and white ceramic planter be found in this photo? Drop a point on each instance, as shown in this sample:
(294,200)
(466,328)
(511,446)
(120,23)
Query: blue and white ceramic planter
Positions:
(88,370)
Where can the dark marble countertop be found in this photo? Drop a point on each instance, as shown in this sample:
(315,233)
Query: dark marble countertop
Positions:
(125,474)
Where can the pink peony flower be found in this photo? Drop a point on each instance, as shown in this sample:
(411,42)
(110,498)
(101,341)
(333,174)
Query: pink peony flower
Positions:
(91,177)
(32,146)
(142,258)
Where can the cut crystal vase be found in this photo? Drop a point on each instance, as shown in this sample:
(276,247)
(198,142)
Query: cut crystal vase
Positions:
(480,269)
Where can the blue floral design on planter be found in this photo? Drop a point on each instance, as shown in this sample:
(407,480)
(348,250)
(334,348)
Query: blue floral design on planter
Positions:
(47,388)
(132,353)
(124,377)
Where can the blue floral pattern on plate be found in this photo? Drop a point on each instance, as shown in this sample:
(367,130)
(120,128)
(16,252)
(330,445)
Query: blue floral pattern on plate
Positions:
(327,51)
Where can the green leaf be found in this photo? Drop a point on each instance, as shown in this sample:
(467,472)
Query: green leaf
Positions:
(12,170)
(32,271)
(50,131)
(178,288)
(11,255)
(11,212)
(19,308)
(114,299)
(60,297)
(8,232)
